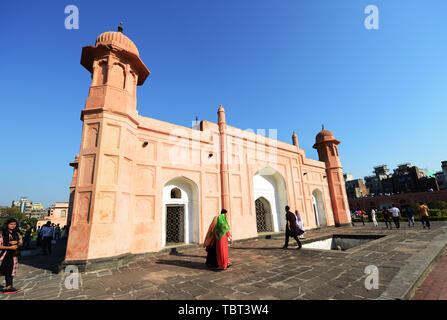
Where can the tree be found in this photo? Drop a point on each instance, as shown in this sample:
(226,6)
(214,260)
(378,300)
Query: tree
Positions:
(13,213)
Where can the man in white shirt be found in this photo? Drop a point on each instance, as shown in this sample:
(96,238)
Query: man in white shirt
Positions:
(47,232)
(373,217)
(396,215)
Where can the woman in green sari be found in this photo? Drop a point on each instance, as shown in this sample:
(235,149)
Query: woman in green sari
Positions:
(222,234)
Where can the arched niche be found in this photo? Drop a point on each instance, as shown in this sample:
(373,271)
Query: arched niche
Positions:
(180,212)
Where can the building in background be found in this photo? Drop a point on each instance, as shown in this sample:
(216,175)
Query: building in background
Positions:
(441,176)
(356,189)
(348,176)
(58,214)
(400,200)
(407,185)
(405,179)
(30,209)
(16,204)
(374,182)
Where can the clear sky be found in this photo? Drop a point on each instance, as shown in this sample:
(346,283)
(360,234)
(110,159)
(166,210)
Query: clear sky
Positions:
(285,65)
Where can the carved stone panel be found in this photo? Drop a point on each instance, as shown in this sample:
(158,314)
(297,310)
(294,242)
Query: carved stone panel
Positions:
(83,208)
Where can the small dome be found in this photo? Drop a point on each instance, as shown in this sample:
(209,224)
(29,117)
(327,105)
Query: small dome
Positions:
(324,135)
(117,39)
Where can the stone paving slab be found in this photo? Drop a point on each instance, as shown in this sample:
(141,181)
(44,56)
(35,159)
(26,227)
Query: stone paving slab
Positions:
(261,270)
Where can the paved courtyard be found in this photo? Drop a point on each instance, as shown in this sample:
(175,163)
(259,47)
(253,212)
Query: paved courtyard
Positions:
(261,270)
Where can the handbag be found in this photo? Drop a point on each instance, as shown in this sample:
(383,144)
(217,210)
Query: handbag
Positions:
(300,231)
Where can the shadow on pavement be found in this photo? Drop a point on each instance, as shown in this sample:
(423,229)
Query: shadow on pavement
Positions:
(261,248)
(187,264)
(49,262)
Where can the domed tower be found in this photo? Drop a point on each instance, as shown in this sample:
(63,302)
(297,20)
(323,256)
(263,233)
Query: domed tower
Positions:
(116,69)
(326,145)
(106,162)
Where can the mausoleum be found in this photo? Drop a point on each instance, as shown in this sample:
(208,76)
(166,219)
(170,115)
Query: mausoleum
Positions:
(141,185)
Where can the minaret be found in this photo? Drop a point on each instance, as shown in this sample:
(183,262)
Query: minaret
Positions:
(102,200)
(294,139)
(224,171)
(326,145)
(116,69)
(73,164)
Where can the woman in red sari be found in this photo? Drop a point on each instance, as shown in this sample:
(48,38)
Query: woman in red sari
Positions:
(210,245)
(222,234)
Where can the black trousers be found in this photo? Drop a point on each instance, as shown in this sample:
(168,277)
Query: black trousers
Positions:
(211,257)
(294,236)
(46,244)
(26,241)
(7,267)
(397,222)
(426,220)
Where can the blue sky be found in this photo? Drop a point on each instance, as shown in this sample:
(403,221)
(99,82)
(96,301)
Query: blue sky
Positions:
(286,65)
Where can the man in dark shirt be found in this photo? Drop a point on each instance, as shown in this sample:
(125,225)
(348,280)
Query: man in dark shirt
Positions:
(27,238)
(410,216)
(291,228)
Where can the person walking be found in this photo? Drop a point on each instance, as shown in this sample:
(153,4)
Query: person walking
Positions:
(27,237)
(291,229)
(410,215)
(57,232)
(39,236)
(352,218)
(373,217)
(396,215)
(222,234)
(424,214)
(47,232)
(360,213)
(64,232)
(386,217)
(10,240)
(299,223)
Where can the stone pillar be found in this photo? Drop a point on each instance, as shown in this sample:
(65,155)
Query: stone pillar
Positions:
(224,171)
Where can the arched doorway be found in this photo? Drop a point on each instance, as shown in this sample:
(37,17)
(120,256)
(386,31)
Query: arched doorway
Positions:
(318,206)
(270,186)
(180,220)
(263,215)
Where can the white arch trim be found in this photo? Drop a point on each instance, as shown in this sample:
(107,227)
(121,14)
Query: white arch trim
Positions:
(270,184)
(189,200)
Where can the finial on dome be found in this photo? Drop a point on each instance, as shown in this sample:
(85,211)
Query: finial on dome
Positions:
(322,127)
(120,27)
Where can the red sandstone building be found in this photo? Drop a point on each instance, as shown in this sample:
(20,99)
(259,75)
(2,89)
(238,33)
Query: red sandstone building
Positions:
(140,185)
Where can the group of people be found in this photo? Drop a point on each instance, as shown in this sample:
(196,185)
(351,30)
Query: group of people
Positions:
(218,235)
(393,213)
(49,233)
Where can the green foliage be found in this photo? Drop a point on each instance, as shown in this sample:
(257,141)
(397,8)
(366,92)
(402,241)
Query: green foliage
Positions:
(434,212)
(437,205)
(13,213)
